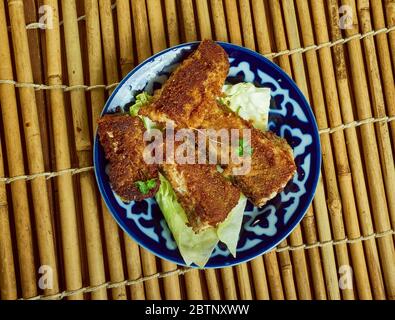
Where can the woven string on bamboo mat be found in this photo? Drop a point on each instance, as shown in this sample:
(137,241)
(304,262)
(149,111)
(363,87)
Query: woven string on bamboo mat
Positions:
(55,77)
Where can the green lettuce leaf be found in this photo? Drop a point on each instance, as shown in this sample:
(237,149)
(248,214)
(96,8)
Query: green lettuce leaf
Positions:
(141,100)
(145,186)
(194,248)
(228,231)
(197,247)
(249,102)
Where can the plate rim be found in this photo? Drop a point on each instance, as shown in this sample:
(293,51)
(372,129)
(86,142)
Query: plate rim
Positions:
(316,142)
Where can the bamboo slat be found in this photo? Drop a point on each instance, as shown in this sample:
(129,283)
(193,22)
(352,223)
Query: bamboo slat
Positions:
(83,147)
(261,26)
(45,235)
(67,210)
(38,77)
(324,234)
(157,29)
(259,279)
(212,284)
(233,22)
(316,268)
(219,21)
(109,47)
(172,22)
(273,276)
(16,166)
(149,267)
(228,283)
(385,63)
(246,22)
(193,285)
(188,18)
(125,37)
(8,289)
(134,268)
(95,58)
(300,266)
(243,281)
(141,29)
(390,15)
(203,19)
(287,272)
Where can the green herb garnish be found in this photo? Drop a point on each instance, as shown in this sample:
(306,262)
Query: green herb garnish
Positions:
(146,186)
(224,101)
(244,148)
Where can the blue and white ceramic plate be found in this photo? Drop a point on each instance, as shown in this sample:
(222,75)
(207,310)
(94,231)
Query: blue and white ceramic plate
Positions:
(290,117)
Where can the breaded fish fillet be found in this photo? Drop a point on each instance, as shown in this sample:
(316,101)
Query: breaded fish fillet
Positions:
(122,139)
(199,78)
(205,195)
(272,164)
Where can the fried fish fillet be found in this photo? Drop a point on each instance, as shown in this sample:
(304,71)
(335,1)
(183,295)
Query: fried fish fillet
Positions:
(218,116)
(272,166)
(122,139)
(197,80)
(271,163)
(202,191)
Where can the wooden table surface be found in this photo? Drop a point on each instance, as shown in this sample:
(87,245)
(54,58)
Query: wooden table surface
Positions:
(60,60)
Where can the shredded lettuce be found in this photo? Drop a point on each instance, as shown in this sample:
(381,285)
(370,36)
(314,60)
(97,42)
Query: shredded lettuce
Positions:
(141,100)
(249,102)
(148,123)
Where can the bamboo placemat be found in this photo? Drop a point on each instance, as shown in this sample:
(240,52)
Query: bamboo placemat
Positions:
(55,75)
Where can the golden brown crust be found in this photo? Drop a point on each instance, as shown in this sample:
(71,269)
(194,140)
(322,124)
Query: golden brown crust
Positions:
(272,166)
(199,78)
(205,195)
(272,163)
(220,117)
(122,139)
